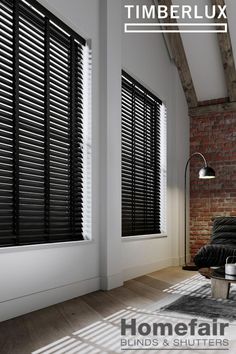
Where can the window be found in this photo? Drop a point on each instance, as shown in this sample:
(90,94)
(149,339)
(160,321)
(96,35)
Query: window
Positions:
(44,73)
(143,160)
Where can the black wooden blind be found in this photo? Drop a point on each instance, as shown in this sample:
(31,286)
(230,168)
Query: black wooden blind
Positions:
(41,131)
(140,159)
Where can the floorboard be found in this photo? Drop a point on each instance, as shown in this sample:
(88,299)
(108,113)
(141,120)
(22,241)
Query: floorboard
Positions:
(89,324)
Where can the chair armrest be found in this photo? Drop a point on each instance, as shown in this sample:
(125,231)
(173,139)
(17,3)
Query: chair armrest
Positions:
(213,255)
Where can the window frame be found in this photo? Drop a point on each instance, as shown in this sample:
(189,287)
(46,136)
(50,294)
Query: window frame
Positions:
(163,164)
(49,18)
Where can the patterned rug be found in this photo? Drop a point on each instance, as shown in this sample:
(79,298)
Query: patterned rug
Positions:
(200,304)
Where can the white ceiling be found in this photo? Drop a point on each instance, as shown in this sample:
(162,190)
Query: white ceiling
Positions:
(203,54)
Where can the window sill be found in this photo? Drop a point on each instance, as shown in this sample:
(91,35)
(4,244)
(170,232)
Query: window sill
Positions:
(41,246)
(143,237)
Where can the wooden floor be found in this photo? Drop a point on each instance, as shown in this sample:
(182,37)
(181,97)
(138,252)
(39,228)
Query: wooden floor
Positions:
(55,328)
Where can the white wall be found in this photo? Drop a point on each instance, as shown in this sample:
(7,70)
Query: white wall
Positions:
(37,276)
(110,137)
(144,56)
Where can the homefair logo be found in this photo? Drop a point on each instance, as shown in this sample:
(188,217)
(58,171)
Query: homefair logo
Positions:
(191,334)
(175,18)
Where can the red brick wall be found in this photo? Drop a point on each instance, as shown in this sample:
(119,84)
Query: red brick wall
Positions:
(214,135)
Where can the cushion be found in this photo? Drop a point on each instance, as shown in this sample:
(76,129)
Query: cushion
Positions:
(224,231)
(213,255)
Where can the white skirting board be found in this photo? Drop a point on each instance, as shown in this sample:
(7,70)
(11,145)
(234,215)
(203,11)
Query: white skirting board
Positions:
(32,302)
(19,306)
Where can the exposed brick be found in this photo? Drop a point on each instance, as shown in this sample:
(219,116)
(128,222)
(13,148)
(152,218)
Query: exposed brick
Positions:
(214,135)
